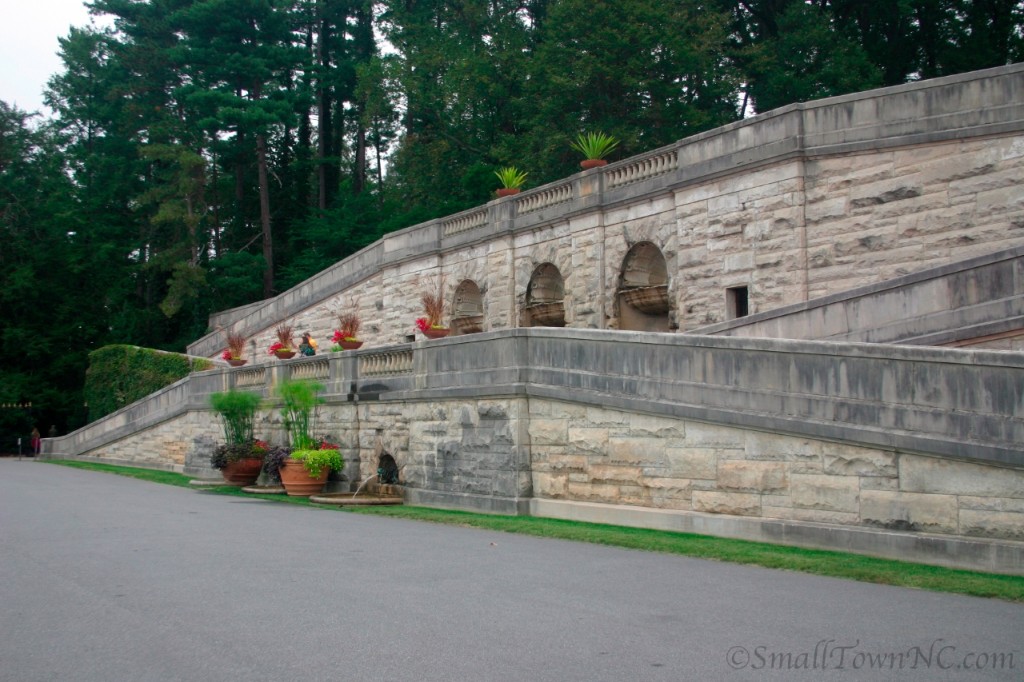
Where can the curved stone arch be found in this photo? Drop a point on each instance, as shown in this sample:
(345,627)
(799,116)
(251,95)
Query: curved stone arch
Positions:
(545,297)
(467,308)
(642,292)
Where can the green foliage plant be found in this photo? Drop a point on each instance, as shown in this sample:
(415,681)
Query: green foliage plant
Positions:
(299,404)
(511,177)
(237,410)
(119,375)
(316,460)
(594,145)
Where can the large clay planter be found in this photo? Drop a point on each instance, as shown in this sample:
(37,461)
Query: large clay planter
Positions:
(243,471)
(350,345)
(284,354)
(432,333)
(296,480)
(236,363)
(587,164)
(508,191)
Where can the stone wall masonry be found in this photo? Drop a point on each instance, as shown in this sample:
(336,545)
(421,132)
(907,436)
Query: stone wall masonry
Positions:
(586,458)
(798,203)
(808,439)
(976,303)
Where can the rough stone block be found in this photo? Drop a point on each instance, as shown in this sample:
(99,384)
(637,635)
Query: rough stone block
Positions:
(591,441)
(589,492)
(693,462)
(992,524)
(746,476)
(643,425)
(700,434)
(829,493)
(737,504)
(549,432)
(636,450)
(909,511)
(933,475)
(859,462)
(991,504)
(618,475)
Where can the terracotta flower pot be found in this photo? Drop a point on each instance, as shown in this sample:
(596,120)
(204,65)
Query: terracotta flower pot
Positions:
(236,363)
(350,345)
(433,333)
(508,191)
(296,480)
(587,164)
(284,354)
(242,471)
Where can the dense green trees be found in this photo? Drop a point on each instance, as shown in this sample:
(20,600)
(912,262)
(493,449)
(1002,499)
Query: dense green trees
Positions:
(207,153)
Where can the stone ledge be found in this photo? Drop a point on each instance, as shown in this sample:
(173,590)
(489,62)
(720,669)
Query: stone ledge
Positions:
(468,502)
(993,556)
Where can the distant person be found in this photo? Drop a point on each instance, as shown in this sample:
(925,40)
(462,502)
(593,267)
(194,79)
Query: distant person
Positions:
(37,441)
(308,345)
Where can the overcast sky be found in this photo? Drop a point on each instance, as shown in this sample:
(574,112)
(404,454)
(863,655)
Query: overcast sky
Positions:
(28,46)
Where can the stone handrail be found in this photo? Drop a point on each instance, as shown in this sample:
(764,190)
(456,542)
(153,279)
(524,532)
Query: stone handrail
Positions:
(642,169)
(386,363)
(464,222)
(549,196)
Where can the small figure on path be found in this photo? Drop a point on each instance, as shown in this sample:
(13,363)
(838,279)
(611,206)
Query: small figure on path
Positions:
(36,441)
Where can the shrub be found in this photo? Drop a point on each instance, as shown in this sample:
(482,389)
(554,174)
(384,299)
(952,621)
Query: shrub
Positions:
(119,375)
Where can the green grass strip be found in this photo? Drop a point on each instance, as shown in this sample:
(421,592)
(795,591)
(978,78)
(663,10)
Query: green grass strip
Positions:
(814,561)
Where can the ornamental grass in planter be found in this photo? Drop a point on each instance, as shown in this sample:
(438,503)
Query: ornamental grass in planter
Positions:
(304,469)
(284,347)
(433,306)
(235,353)
(594,147)
(346,335)
(241,457)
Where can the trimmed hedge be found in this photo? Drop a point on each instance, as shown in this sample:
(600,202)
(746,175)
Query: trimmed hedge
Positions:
(120,375)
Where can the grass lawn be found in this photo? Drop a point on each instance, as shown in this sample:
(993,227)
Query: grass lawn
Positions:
(815,561)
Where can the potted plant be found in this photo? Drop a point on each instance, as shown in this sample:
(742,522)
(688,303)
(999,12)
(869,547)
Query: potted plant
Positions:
(345,336)
(594,147)
(236,350)
(433,306)
(284,347)
(241,457)
(511,179)
(305,469)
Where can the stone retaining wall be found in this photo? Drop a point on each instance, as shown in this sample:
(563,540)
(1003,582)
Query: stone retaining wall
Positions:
(799,203)
(742,437)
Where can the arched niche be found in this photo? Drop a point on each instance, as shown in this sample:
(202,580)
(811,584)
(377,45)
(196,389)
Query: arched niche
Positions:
(643,290)
(545,298)
(467,309)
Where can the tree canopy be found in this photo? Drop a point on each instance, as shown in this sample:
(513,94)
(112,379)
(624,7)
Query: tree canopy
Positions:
(204,154)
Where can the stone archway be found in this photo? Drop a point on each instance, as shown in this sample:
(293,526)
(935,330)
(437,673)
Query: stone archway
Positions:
(467,309)
(545,298)
(642,295)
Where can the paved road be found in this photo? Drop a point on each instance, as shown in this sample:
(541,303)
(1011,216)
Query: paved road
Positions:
(107,578)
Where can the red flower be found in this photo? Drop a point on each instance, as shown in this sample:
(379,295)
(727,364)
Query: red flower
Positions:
(226,355)
(423,324)
(274,347)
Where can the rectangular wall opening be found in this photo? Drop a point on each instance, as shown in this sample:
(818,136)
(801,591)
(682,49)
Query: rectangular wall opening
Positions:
(737,302)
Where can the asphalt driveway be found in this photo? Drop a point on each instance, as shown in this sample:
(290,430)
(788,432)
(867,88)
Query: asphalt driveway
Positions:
(108,578)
